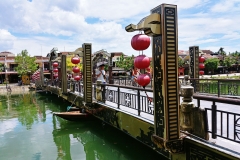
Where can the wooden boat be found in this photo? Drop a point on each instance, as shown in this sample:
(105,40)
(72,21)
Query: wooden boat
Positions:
(73,115)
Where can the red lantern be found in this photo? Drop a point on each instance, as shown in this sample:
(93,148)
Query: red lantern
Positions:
(76,69)
(55,64)
(55,70)
(75,60)
(55,75)
(77,78)
(201,72)
(201,66)
(201,59)
(140,42)
(141,62)
(143,80)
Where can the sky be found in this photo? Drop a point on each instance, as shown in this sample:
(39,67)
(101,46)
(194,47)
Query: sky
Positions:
(40,25)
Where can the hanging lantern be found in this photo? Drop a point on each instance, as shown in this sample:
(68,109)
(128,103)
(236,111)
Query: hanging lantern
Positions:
(55,70)
(201,66)
(55,64)
(201,72)
(77,78)
(201,59)
(141,62)
(76,69)
(75,60)
(143,80)
(140,42)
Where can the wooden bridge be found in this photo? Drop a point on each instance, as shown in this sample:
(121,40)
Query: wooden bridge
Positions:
(154,116)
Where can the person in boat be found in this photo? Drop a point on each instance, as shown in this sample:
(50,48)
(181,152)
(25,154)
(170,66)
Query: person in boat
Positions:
(101,74)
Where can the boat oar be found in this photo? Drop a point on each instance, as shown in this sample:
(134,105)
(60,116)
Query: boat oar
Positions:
(69,107)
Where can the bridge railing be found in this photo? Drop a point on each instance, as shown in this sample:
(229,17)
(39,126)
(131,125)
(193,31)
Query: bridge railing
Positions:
(222,124)
(218,87)
(138,99)
(127,81)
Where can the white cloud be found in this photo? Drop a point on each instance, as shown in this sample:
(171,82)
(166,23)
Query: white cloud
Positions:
(8,126)
(68,24)
(6,40)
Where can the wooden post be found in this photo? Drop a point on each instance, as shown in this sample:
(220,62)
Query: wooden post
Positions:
(194,66)
(64,74)
(87,72)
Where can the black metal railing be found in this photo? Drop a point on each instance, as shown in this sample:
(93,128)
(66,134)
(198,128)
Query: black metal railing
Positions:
(131,97)
(128,81)
(218,87)
(75,86)
(222,124)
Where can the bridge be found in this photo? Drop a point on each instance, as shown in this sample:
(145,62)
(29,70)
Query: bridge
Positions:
(156,116)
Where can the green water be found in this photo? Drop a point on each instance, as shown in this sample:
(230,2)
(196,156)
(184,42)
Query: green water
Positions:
(29,131)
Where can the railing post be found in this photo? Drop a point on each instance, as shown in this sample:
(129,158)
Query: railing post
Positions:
(103,93)
(186,112)
(118,95)
(214,120)
(98,90)
(74,85)
(138,102)
(218,88)
(198,102)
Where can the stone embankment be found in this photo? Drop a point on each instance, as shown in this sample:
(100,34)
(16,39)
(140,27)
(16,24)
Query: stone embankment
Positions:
(14,89)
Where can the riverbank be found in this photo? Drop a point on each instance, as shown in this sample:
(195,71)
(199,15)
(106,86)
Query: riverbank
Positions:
(15,89)
(231,75)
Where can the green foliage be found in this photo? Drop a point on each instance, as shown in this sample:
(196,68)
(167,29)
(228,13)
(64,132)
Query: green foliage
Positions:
(180,62)
(229,61)
(26,64)
(221,51)
(70,65)
(236,57)
(125,62)
(211,64)
(1,67)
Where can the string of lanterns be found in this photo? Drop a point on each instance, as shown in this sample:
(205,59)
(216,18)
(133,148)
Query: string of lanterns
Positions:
(78,75)
(201,60)
(141,42)
(55,69)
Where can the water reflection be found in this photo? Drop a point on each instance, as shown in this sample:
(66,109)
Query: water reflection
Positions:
(98,142)
(30,131)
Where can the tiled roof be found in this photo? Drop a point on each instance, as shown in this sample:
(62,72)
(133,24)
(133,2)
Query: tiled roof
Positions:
(207,51)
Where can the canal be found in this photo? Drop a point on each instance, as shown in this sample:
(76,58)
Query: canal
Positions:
(29,131)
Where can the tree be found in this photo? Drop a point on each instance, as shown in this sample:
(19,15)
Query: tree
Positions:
(211,64)
(180,62)
(26,64)
(221,52)
(125,62)
(1,67)
(229,61)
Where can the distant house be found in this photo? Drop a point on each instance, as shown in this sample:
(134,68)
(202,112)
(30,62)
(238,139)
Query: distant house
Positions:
(8,60)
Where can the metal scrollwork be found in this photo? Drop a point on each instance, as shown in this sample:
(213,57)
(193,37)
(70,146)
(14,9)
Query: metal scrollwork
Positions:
(237,128)
(110,95)
(175,146)
(232,89)
(127,99)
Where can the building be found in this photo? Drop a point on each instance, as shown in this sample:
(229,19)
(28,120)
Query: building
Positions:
(9,65)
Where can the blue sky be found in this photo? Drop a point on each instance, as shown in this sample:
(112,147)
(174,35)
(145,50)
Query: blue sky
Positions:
(38,26)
